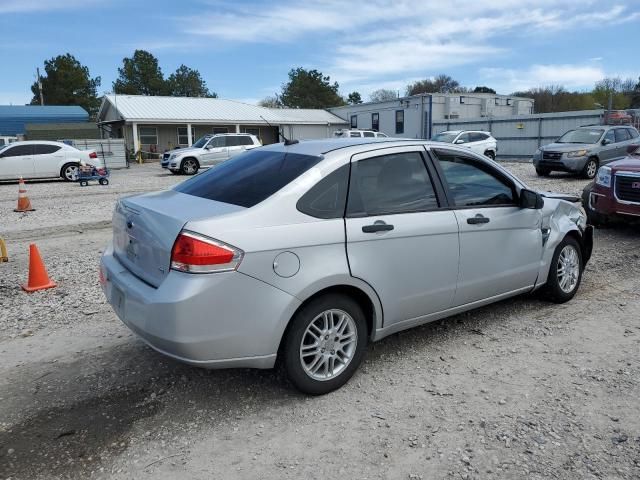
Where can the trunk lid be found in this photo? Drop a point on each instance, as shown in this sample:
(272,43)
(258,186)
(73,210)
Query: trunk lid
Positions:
(145,228)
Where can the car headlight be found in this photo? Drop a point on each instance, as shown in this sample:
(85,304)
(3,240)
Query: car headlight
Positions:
(577,153)
(603,177)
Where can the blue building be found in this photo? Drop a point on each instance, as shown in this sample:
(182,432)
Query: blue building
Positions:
(13,118)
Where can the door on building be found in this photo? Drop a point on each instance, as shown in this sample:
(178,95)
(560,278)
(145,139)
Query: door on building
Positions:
(16,161)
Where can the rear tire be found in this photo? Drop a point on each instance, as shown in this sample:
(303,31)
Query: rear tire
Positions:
(189,166)
(490,154)
(103,181)
(325,344)
(69,172)
(590,168)
(543,172)
(565,272)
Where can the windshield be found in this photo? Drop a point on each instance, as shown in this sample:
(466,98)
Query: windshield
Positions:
(201,142)
(249,178)
(445,137)
(581,135)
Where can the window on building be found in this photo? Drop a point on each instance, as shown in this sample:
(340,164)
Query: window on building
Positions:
(148,135)
(399,121)
(497,101)
(220,130)
(354,121)
(508,102)
(252,130)
(183,136)
(375,121)
(461,99)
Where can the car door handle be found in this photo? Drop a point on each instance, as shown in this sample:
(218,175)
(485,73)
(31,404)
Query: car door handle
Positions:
(477,219)
(378,226)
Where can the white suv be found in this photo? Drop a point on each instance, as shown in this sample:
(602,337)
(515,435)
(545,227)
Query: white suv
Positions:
(352,133)
(475,140)
(208,151)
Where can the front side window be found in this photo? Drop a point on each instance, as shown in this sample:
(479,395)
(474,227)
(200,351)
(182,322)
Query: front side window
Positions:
(399,121)
(201,142)
(18,151)
(375,121)
(183,136)
(43,149)
(368,134)
(478,137)
(622,135)
(472,183)
(445,137)
(356,134)
(217,142)
(249,178)
(610,136)
(354,121)
(464,138)
(390,184)
(148,135)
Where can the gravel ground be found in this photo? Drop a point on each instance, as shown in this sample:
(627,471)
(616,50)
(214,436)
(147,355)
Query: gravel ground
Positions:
(519,389)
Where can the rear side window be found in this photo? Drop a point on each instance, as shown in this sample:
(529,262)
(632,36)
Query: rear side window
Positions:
(355,134)
(368,134)
(327,198)
(42,149)
(472,183)
(633,132)
(478,137)
(249,178)
(622,135)
(246,140)
(390,184)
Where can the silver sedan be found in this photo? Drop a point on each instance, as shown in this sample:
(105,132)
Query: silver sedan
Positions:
(306,252)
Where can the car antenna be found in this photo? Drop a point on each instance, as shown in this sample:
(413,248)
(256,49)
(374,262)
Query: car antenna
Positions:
(287,142)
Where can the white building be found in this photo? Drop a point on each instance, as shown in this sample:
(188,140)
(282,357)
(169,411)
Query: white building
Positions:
(413,117)
(156,124)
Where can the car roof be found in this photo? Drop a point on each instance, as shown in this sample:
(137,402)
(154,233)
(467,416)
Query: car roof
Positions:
(40,142)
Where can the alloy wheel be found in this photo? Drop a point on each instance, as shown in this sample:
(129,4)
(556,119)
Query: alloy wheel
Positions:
(592,168)
(568,269)
(71,173)
(328,344)
(189,167)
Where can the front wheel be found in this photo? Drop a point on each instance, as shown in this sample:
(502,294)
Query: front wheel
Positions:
(543,172)
(590,168)
(325,344)
(189,166)
(565,273)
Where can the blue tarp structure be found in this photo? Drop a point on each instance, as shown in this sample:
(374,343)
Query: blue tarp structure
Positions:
(14,117)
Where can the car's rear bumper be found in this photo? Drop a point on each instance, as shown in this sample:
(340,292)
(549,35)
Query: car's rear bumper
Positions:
(215,320)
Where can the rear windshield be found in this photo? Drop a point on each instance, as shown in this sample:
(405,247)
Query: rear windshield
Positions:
(249,178)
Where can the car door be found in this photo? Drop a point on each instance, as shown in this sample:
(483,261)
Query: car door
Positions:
(608,152)
(235,144)
(47,160)
(478,142)
(623,140)
(216,151)
(500,243)
(16,162)
(399,240)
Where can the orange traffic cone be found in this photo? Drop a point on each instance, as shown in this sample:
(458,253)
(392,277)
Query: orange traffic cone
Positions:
(24,204)
(38,277)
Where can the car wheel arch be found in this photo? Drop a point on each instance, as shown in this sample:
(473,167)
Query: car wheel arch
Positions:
(367,300)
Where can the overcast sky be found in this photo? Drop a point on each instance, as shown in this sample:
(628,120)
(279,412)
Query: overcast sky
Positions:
(245,49)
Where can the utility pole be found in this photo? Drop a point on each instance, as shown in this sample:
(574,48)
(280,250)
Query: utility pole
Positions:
(39,86)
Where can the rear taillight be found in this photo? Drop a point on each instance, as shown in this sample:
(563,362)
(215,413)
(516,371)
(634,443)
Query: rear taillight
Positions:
(93,155)
(194,253)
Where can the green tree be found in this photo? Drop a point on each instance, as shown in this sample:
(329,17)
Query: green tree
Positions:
(271,102)
(310,89)
(635,95)
(440,84)
(354,98)
(140,75)
(483,90)
(187,82)
(382,95)
(614,88)
(67,82)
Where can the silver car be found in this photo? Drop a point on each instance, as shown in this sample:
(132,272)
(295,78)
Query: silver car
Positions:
(306,252)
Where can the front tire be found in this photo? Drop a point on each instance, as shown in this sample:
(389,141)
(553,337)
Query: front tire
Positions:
(325,344)
(69,172)
(565,273)
(543,172)
(590,168)
(594,218)
(189,166)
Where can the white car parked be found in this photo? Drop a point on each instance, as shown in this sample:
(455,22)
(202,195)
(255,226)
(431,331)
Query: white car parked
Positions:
(354,133)
(43,159)
(475,140)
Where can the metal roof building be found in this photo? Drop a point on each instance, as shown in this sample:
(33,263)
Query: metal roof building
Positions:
(156,124)
(13,118)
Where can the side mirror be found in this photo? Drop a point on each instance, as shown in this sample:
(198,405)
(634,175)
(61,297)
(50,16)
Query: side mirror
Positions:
(606,141)
(208,146)
(531,199)
(459,141)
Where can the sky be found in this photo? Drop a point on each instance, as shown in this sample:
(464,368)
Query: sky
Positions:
(245,49)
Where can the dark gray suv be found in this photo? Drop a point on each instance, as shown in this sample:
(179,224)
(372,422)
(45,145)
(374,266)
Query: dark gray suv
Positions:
(584,149)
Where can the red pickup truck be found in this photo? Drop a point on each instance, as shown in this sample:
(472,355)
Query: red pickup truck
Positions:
(615,193)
